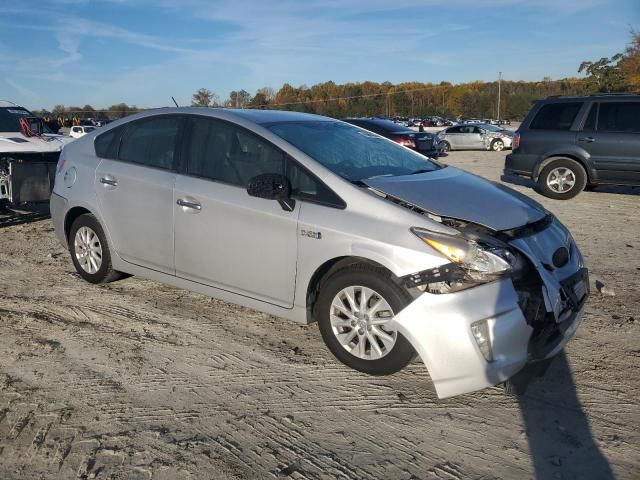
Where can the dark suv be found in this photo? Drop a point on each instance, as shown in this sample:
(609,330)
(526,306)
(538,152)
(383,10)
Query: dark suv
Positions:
(568,143)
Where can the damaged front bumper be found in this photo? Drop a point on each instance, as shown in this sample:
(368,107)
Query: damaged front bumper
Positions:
(523,321)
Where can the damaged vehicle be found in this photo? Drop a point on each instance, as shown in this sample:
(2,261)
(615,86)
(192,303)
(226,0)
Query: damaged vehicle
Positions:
(312,219)
(29,153)
(475,137)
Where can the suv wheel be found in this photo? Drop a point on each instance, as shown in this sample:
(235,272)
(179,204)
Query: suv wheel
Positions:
(90,251)
(497,145)
(562,179)
(354,310)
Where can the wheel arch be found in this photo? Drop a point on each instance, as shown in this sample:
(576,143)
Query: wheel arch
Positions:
(325,270)
(581,161)
(71,217)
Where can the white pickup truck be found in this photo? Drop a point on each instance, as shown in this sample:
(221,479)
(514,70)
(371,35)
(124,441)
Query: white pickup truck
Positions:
(29,154)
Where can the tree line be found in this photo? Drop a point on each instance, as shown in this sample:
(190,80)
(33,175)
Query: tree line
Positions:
(619,73)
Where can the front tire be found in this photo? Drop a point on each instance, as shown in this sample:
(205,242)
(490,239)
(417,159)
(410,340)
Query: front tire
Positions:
(562,179)
(354,308)
(90,252)
(446,147)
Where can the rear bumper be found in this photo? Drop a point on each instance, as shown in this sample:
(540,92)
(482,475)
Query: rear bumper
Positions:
(520,164)
(58,208)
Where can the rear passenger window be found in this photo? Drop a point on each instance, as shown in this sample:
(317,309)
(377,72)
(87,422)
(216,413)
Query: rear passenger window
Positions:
(221,151)
(619,117)
(556,116)
(107,143)
(151,142)
(590,123)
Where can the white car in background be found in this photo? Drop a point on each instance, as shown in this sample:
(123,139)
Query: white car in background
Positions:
(80,130)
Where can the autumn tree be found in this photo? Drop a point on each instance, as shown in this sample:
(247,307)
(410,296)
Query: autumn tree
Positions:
(204,98)
(630,62)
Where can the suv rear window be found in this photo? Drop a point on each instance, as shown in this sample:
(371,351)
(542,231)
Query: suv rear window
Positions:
(619,117)
(556,116)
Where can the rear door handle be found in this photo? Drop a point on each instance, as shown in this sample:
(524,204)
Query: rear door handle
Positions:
(109,181)
(186,204)
(587,139)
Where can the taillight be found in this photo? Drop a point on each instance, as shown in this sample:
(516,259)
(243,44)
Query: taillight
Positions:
(516,141)
(405,142)
(61,162)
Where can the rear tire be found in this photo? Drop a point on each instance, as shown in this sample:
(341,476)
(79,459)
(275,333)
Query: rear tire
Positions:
(497,145)
(90,252)
(446,147)
(562,179)
(391,352)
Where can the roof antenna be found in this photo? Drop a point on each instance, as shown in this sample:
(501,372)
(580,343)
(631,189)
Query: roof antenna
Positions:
(174,101)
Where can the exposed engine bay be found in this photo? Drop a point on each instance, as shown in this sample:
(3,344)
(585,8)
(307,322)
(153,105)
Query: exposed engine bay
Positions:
(29,154)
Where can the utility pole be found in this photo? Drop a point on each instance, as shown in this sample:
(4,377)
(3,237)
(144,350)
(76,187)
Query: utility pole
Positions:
(499,92)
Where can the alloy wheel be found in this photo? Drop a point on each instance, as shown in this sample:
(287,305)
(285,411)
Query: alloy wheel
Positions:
(561,180)
(360,319)
(88,250)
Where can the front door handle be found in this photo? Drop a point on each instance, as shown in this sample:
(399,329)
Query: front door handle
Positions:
(109,182)
(186,204)
(587,139)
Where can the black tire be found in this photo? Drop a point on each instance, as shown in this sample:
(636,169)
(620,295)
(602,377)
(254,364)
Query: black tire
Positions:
(376,279)
(446,147)
(497,145)
(576,170)
(105,273)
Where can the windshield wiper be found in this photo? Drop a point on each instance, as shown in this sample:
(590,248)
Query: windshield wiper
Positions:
(358,183)
(420,171)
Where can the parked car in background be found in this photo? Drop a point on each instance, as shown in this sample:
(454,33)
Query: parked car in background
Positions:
(390,253)
(475,137)
(78,131)
(422,142)
(568,143)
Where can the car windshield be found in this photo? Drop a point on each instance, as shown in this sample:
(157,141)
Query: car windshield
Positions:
(10,119)
(350,152)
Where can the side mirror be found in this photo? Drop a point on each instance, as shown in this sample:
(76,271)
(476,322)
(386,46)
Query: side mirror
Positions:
(272,186)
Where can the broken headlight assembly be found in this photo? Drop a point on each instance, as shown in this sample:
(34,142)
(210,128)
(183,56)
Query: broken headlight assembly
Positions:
(474,260)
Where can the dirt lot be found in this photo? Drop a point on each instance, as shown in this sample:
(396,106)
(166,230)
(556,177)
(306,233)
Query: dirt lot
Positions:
(139,380)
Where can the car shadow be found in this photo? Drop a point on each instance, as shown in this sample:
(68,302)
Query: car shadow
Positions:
(10,217)
(615,189)
(561,442)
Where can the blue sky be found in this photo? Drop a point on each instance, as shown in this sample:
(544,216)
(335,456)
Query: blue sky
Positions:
(142,52)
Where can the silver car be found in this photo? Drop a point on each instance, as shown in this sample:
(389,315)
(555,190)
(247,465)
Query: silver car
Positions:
(315,220)
(475,137)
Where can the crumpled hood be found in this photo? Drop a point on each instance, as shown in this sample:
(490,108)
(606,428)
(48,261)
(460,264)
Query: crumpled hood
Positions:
(454,193)
(15,142)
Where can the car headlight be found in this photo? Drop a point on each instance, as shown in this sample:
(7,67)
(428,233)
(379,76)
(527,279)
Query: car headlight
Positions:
(471,256)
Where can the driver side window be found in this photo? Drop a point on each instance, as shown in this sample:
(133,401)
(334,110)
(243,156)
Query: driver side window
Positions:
(222,151)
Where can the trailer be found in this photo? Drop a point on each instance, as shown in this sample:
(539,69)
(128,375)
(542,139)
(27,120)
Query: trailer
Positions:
(29,153)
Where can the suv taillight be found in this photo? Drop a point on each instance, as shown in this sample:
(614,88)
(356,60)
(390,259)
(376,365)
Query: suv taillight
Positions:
(516,141)
(61,162)
(405,142)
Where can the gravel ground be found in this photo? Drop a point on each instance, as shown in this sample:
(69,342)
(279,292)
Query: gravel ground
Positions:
(138,380)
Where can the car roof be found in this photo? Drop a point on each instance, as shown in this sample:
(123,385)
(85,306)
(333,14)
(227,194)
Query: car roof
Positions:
(598,96)
(381,122)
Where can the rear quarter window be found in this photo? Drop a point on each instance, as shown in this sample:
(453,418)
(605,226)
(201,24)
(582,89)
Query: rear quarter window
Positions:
(556,116)
(106,144)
